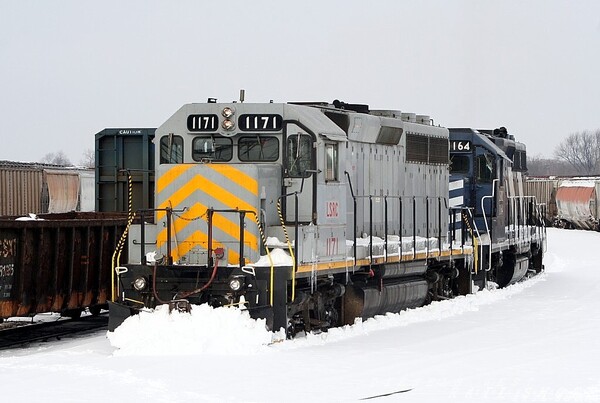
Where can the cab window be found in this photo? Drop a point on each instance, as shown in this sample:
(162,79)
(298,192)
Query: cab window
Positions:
(171,149)
(459,164)
(331,162)
(485,168)
(299,155)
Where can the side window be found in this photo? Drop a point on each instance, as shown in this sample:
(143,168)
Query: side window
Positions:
(299,155)
(209,148)
(258,148)
(485,168)
(331,162)
(171,149)
(459,164)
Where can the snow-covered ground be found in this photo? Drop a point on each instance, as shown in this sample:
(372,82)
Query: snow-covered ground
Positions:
(535,341)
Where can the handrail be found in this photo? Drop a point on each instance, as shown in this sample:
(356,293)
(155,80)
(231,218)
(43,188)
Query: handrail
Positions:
(116,257)
(293,255)
(287,239)
(272,271)
(370,197)
(487,228)
(475,235)
(242,215)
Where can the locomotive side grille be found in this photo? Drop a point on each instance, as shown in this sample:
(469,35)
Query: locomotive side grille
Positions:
(426,149)
(438,150)
(416,148)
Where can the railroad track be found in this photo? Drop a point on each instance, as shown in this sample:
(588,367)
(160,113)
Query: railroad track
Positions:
(22,336)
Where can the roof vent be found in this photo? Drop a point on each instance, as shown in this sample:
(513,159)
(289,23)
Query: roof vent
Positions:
(409,117)
(424,119)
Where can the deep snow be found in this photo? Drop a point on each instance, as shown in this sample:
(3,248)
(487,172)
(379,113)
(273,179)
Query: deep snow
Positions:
(534,341)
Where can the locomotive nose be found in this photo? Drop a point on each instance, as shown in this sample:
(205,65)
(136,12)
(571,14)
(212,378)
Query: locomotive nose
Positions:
(214,207)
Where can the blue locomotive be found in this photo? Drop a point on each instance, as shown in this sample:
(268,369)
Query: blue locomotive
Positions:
(487,174)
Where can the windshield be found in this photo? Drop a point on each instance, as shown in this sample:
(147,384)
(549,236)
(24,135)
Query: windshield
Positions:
(258,148)
(212,148)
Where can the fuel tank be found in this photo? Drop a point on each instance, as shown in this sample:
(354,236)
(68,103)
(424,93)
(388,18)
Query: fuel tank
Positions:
(367,301)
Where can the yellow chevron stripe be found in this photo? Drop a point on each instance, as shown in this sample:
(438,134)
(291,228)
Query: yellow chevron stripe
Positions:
(182,193)
(200,182)
(219,221)
(168,177)
(224,196)
(238,177)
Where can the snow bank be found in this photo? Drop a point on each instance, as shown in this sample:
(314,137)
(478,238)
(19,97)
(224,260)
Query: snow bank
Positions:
(437,310)
(231,331)
(205,330)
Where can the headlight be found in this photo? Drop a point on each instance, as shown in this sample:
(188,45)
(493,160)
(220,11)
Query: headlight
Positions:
(228,124)
(140,283)
(228,112)
(235,284)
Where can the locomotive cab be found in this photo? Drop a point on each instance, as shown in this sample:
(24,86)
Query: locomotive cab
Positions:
(477,170)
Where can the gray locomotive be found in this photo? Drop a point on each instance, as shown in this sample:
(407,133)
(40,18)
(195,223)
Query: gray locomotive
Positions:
(311,215)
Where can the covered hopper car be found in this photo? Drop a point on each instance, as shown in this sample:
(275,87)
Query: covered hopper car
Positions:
(35,188)
(569,202)
(578,204)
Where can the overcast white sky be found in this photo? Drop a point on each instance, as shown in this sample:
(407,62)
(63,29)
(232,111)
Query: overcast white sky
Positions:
(71,68)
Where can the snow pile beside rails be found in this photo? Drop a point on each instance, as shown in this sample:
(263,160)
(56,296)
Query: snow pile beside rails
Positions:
(435,311)
(231,331)
(205,330)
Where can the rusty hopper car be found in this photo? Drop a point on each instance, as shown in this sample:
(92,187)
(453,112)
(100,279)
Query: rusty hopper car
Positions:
(59,263)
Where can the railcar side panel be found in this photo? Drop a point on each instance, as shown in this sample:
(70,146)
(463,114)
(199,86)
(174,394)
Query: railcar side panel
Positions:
(61,263)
